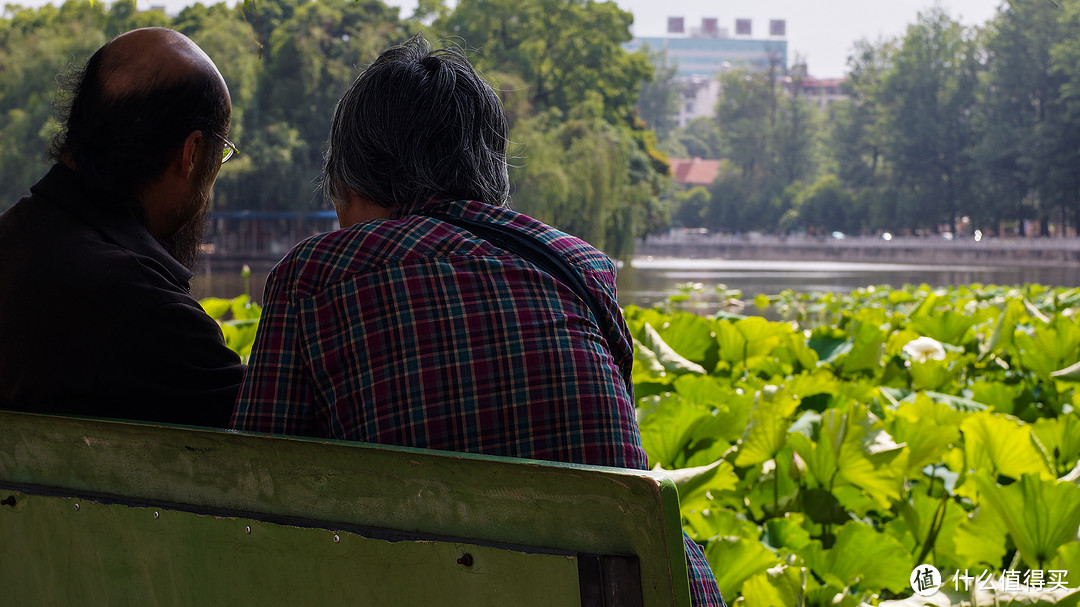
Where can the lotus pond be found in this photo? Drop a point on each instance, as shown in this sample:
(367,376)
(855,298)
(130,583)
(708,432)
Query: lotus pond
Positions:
(822,455)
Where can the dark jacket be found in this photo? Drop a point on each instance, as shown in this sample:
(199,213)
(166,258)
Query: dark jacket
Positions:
(96,318)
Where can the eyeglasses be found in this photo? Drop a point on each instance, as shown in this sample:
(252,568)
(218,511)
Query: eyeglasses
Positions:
(229,151)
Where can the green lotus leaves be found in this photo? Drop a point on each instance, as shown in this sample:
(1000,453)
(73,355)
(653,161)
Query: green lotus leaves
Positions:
(667,424)
(999,395)
(787,532)
(767,429)
(1002,336)
(945,326)
(215,307)
(1048,347)
(692,337)
(696,484)
(860,556)
(780,585)
(243,309)
(735,559)
(930,374)
(819,458)
(927,441)
(1060,440)
(853,449)
(1041,515)
(238,319)
(1001,445)
(671,361)
(710,523)
(647,366)
(981,541)
(867,347)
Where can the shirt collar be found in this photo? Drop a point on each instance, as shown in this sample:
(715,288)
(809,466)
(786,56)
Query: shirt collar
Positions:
(66,189)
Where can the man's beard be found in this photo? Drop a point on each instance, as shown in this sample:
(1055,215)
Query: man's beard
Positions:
(184,244)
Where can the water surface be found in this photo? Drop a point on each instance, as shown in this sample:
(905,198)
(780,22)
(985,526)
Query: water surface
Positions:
(646,281)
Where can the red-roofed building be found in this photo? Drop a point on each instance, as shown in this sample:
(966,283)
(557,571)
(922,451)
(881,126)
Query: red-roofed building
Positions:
(694,171)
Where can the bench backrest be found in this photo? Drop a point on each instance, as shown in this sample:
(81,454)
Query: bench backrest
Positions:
(108,512)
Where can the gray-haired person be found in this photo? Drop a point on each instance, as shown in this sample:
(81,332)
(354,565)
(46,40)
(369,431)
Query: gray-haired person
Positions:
(437,317)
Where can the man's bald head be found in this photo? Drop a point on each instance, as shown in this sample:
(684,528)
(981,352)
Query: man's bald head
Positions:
(153,57)
(134,103)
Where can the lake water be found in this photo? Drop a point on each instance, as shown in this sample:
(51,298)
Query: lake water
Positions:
(647,281)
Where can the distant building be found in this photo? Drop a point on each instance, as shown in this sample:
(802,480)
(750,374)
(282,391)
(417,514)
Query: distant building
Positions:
(700,94)
(823,91)
(706,51)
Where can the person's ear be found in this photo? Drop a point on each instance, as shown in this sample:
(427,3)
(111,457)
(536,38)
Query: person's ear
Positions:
(187,153)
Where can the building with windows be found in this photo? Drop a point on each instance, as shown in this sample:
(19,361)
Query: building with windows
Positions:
(702,52)
(823,91)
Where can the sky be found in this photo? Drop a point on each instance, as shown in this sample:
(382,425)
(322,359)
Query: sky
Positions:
(821,32)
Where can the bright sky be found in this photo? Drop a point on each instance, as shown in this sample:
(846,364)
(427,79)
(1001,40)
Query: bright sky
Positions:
(822,32)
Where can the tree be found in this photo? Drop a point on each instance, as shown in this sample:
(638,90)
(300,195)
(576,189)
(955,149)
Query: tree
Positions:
(746,116)
(1062,126)
(658,102)
(826,206)
(311,57)
(857,134)
(690,206)
(928,101)
(564,50)
(1021,114)
(769,141)
(588,178)
(700,138)
(35,46)
(795,134)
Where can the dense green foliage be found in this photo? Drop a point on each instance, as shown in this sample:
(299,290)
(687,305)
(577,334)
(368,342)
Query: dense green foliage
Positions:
(829,454)
(943,122)
(581,159)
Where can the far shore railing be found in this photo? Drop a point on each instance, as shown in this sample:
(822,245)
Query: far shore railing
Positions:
(250,235)
(898,249)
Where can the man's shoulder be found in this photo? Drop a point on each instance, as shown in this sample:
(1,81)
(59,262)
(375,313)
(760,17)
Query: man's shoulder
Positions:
(41,247)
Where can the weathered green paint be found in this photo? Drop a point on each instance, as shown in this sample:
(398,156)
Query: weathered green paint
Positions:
(117,555)
(483,500)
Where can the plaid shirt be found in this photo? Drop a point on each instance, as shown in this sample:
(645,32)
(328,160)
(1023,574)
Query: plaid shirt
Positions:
(411,331)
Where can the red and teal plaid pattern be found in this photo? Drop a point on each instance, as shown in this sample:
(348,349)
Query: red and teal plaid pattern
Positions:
(414,332)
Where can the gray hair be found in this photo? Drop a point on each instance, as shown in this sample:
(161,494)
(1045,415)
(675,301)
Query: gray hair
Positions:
(415,125)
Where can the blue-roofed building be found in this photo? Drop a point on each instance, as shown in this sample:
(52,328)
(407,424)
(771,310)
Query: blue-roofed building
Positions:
(711,56)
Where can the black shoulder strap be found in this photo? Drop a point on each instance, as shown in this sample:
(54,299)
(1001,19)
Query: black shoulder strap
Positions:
(538,254)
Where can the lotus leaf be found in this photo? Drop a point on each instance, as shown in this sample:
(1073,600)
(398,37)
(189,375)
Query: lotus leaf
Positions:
(1041,515)
(1002,445)
(845,564)
(735,559)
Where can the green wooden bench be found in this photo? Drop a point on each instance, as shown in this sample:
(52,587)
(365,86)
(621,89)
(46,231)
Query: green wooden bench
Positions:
(97,512)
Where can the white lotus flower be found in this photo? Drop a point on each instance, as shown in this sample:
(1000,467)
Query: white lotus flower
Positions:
(924,349)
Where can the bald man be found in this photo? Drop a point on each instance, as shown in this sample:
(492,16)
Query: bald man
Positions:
(96,317)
